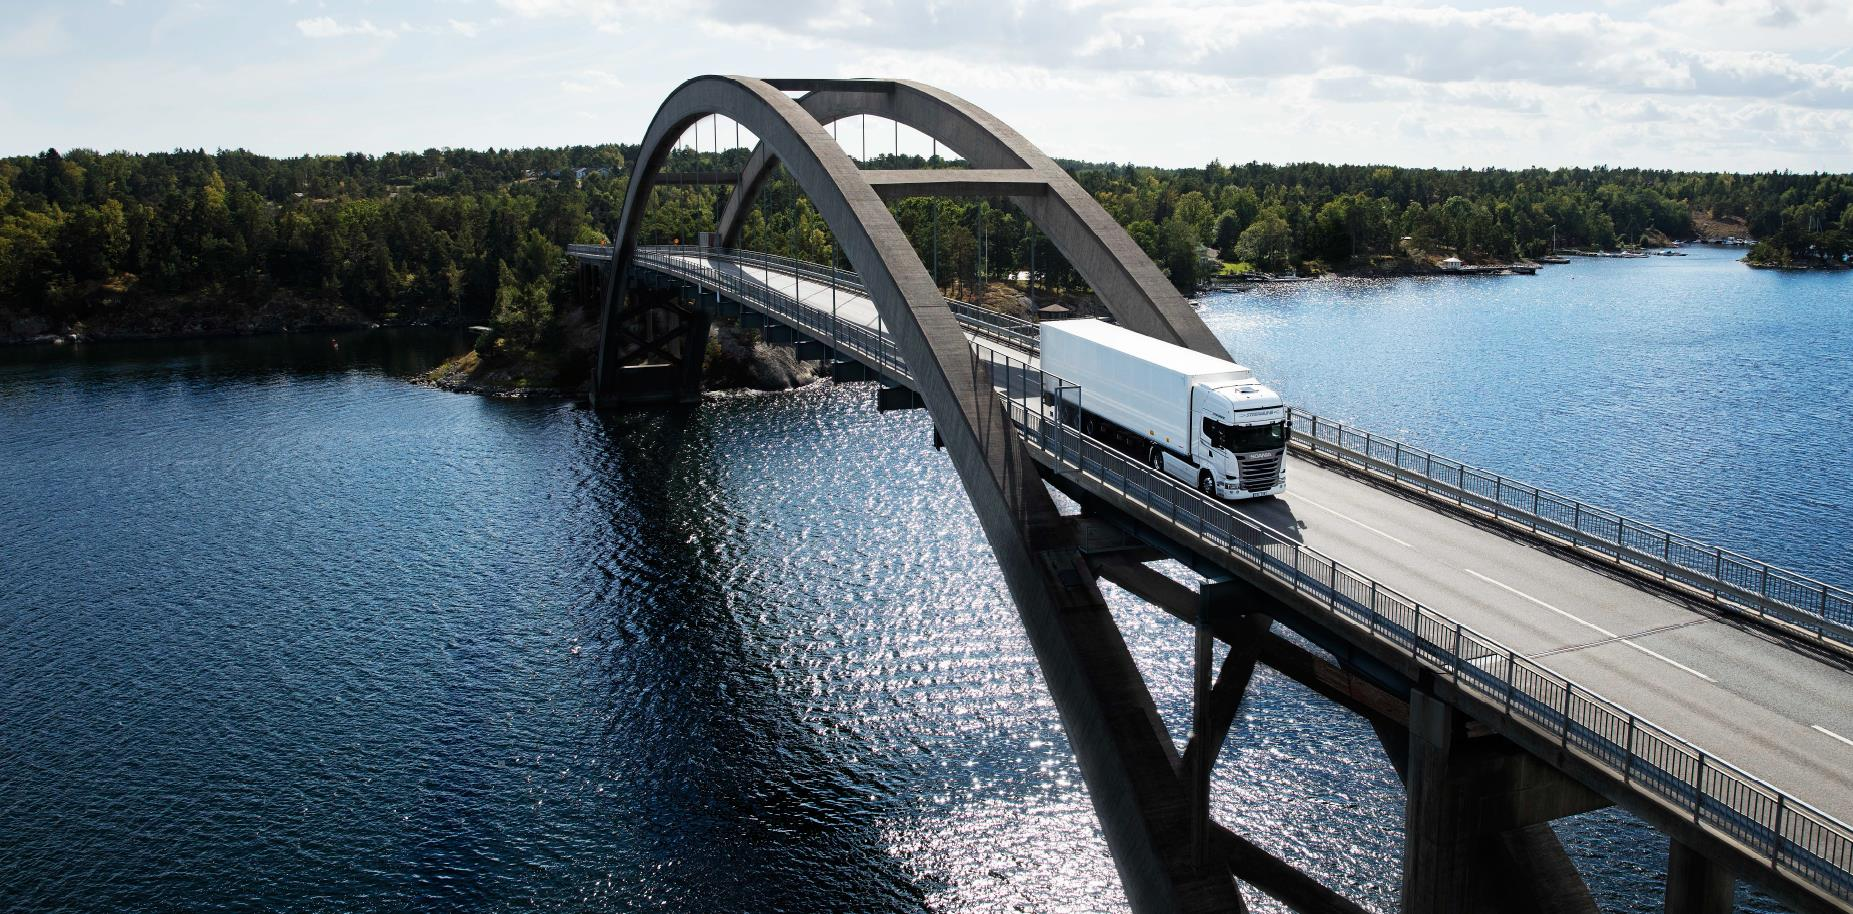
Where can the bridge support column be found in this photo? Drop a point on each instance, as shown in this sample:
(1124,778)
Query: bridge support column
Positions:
(653,351)
(890,399)
(809,350)
(589,284)
(1477,836)
(1695,884)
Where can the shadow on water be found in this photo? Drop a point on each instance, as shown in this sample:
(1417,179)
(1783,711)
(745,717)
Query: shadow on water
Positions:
(393,351)
(747,808)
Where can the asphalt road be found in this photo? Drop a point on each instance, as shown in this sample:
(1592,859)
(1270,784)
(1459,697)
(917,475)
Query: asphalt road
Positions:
(1742,696)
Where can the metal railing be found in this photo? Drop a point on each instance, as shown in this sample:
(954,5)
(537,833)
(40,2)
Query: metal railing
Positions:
(1736,581)
(1795,838)
(861,343)
(1011,331)
(1003,328)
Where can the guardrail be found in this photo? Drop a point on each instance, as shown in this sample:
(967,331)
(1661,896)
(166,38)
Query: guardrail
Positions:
(1795,838)
(1736,581)
(1792,836)
(862,343)
(1011,331)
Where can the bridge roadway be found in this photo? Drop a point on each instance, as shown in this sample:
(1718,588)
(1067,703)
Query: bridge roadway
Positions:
(1740,694)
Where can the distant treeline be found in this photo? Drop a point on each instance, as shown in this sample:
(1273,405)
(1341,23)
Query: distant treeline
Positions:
(468,235)
(1275,216)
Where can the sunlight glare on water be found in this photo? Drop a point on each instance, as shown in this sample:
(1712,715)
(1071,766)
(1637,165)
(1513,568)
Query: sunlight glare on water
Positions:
(279,630)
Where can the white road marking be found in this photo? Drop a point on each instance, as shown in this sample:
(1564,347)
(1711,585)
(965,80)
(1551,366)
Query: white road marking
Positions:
(1832,734)
(1299,498)
(1578,619)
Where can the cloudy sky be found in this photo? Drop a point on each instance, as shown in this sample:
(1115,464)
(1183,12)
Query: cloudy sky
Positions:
(1724,84)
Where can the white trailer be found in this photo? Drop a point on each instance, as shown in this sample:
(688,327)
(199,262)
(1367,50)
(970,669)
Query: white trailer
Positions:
(1201,419)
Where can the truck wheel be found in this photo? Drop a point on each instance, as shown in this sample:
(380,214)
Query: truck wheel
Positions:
(1206,483)
(1158,458)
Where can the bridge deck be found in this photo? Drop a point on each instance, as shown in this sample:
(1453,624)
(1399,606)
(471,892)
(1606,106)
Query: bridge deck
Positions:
(1741,695)
(1738,693)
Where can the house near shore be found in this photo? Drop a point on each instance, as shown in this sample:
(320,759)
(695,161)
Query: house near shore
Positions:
(1452,263)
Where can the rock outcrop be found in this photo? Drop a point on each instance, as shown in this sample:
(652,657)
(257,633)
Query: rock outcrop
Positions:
(739,358)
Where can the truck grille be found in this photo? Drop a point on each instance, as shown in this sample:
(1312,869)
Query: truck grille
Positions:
(1260,473)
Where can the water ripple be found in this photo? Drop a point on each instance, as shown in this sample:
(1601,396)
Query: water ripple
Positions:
(311,638)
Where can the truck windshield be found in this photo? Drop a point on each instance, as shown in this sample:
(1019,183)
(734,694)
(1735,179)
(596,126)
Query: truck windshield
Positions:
(1241,439)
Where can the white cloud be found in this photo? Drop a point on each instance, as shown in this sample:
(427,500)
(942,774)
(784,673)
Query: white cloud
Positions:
(609,16)
(44,36)
(1736,84)
(594,12)
(1353,86)
(537,8)
(1541,86)
(591,81)
(327,27)
(1156,47)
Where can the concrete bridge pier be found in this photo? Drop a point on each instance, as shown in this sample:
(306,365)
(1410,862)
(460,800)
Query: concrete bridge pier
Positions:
(1477,835)
(653,346)
(588,285)
(1696,884)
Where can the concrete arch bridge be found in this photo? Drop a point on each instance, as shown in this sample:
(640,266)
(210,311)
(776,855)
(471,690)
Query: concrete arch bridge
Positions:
(1523,656)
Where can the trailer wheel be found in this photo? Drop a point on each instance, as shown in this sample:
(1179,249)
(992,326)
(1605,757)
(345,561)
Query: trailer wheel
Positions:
(1158,458)
(1206,483)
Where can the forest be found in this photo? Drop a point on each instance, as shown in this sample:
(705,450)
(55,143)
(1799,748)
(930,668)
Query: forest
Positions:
(463,236)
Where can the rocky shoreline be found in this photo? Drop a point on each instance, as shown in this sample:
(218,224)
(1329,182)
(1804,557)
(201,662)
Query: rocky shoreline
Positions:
(737,359)
(1808,267)
(119,310)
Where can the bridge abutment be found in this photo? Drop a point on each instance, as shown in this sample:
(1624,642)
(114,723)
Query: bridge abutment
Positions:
(1477,835)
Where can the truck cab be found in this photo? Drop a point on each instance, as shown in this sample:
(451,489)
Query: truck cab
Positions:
(1240,441)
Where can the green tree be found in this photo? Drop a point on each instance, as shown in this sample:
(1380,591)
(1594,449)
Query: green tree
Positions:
(1267,243)
(1177,252)
(1145,235)
(1227,231)
(523,310)
(1194,211)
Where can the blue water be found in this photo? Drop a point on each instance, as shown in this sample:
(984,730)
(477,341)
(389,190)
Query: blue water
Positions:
(1690,391)
(280,630)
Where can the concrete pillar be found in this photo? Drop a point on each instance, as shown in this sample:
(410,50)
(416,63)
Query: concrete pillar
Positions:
(692,356)
(653,352)
(1695,884)
(890,399)
(589,286)
(1476,837)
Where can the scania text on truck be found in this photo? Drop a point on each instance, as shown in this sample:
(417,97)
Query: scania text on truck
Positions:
(1201,419)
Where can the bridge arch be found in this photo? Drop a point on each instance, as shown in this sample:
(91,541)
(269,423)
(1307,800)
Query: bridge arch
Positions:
(1112,722)
(1099,249)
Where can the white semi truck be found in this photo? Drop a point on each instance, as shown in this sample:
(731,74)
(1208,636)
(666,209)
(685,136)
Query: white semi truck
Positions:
(1201,419)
